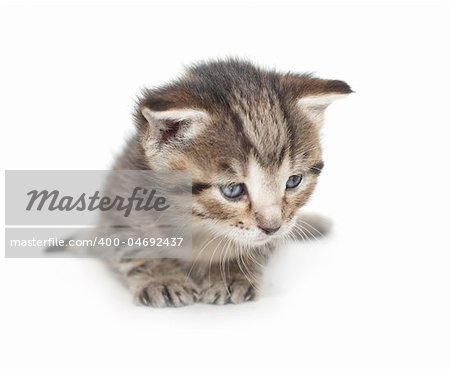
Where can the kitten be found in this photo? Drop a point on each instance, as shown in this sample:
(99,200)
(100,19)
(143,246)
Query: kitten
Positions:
(250,138)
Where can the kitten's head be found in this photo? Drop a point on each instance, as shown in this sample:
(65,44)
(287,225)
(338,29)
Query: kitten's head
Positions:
(250,138)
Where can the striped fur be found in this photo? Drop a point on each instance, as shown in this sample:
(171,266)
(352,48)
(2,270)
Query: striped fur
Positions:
(228,122)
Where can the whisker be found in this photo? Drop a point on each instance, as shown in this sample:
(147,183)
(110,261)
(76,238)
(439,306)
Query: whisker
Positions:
(312,227)
(198,256)
(210,261)
(250,280)
(298,229)
(305,231)
(222,266)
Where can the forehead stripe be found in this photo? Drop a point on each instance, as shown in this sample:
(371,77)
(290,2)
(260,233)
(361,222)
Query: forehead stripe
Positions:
(198,188)
(317,168)
(244,140)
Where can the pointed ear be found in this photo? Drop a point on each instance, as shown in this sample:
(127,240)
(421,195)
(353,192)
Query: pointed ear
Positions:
(174,124)
(314,95)
(169,115)
(314,106)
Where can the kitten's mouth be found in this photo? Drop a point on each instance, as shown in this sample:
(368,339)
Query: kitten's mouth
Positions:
(258,240)
(264,238)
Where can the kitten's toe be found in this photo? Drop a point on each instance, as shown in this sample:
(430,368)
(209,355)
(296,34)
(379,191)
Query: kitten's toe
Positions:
(242,291)
(170,293)
(183,295)
(237,292)
(217,293)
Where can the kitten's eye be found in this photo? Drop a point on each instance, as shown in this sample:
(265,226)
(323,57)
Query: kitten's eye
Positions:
(294,181)
(233,191)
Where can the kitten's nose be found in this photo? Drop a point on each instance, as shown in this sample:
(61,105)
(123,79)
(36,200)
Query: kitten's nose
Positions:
(268,218)
(269,229)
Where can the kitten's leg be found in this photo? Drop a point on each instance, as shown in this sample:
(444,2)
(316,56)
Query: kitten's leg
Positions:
(158,282)
(235,281)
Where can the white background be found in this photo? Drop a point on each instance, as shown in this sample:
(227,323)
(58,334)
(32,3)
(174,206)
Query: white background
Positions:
(373,295)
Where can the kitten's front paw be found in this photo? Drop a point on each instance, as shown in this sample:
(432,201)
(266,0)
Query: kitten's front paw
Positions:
(235,292)
(167,292)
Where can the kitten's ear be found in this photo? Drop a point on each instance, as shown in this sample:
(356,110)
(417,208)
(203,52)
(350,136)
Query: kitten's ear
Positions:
(165,116)
(314,106)
(174,124)
(314,95)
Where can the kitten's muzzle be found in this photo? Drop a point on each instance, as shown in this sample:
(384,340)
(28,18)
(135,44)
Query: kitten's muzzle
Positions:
(268,219)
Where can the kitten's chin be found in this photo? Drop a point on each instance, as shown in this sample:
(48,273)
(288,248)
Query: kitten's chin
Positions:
(253,240)
(263,240)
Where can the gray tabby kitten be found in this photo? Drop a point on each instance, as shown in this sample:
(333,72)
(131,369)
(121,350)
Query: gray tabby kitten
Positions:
(250,138)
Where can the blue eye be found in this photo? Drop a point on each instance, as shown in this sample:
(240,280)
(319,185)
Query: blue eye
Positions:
(233,191)
(294,181)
